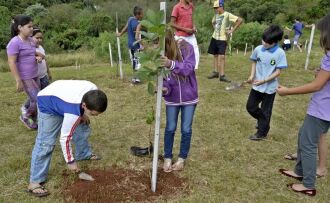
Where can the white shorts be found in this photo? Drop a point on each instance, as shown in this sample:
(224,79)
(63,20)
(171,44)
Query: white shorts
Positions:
(191,40)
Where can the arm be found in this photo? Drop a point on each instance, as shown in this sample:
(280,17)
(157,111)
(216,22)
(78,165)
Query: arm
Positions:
(123,30)
(253,72)
(138,33)
(177,27)
(13,69)
(70,122)
(274,75)
(316,85)
(237,24)
(288,28)
(48,71)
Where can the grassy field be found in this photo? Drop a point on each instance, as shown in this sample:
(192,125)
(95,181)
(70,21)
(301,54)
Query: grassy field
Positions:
(224,165)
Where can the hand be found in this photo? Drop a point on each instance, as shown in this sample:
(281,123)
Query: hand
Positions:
(281,90)
(39,59)
(229,31)
(165,91)
(190,31)
(19,86)
(165,62)
(85,120)
(250,80)
(73,167)
(259,82)
(118,34)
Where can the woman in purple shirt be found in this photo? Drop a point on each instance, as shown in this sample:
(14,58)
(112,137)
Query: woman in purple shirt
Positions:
(317,120)
(22,59)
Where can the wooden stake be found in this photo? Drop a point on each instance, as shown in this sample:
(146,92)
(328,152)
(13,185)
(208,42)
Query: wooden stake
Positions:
(237,51)
(110,54)
(120,62)
(310,46)
(306,44)
(245,49)
(158,114)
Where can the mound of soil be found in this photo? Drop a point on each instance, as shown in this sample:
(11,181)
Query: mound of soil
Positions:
(125,185)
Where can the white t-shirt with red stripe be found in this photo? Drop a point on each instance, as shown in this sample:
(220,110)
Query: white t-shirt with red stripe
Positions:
(63,98)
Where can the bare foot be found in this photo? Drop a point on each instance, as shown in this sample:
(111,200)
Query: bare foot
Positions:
(321,172)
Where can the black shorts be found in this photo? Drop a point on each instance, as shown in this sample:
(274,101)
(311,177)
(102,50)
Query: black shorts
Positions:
(217,47)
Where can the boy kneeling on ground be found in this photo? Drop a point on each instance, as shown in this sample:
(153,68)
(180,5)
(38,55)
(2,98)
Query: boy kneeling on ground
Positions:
(63,108)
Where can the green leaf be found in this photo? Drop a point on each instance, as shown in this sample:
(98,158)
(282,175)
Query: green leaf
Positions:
(150,117)
(151,88)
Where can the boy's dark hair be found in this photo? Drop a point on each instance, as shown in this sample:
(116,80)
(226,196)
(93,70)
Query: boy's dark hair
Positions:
(19,20)
(286,36)
(137,10)
(324,26)
(272,34)
(36,30)
(95,100)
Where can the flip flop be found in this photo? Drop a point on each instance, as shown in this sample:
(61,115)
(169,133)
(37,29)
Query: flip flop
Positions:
(283,171)
(309,192)
(290,157)
(43,194)
(94,157)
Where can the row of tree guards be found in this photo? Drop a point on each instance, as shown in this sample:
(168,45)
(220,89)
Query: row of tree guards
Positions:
(308,46)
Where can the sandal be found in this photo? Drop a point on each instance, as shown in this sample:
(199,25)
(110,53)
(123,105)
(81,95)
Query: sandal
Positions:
(284,172)
(179,165)
(167,167)
(291,157)
(94,157)
(36,194)
(309,192)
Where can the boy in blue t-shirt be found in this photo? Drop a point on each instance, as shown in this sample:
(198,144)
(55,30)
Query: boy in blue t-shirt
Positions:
(268,60)
(133,28)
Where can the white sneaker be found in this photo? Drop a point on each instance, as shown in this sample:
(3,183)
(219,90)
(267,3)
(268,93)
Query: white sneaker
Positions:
(137,80)
(167,167)
(179,165)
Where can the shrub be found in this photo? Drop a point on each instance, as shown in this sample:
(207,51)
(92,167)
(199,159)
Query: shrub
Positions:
(101,46)
(250,33)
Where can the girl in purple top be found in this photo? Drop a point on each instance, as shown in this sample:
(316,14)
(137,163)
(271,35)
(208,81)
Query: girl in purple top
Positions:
(317,120)
(22,59)
(180,94)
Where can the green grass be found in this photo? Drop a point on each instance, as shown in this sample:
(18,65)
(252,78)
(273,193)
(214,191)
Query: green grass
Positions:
(223,166)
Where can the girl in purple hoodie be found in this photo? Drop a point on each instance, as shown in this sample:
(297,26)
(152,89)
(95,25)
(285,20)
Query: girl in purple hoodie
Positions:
(180,94)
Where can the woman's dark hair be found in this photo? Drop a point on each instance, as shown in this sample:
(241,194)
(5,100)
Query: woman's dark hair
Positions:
(272,34)
(137,10)
(19,20)
(324,26)
(95,100)
(36,30)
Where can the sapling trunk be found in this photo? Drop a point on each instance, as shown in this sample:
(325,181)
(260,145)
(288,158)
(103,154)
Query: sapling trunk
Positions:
(120,62)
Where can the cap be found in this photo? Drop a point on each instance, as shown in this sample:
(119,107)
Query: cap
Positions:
(218,3)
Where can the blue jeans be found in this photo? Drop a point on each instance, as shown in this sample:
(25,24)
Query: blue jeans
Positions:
(187,115)
(49,127)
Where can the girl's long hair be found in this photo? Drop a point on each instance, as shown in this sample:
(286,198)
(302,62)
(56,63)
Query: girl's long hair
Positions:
(172,50)
(324,26)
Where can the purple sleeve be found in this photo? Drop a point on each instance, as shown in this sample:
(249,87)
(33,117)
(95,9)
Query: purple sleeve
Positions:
(325,64)
(167,85)
(13,47)
(187,66)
